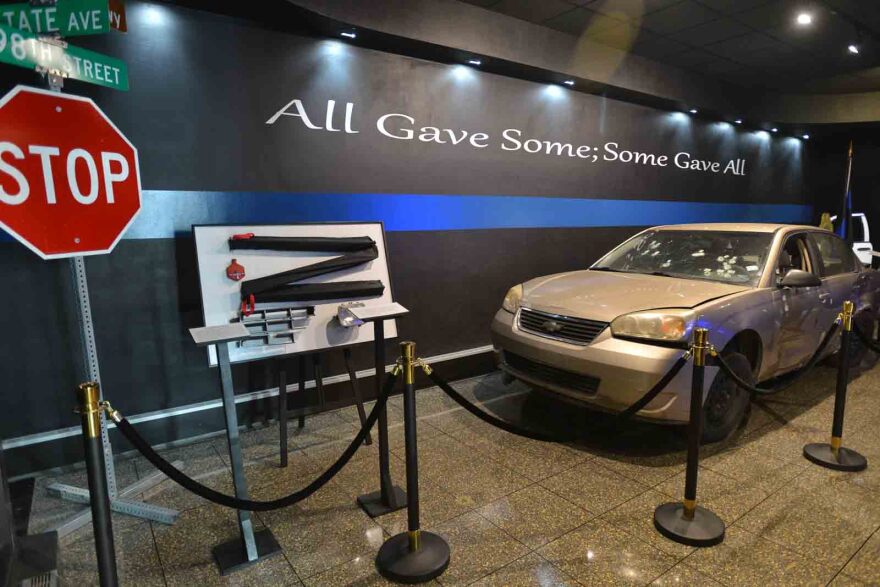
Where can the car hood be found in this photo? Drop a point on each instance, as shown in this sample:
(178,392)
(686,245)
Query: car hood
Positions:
(601,295)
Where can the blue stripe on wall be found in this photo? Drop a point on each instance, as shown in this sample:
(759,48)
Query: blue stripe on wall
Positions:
(167,212)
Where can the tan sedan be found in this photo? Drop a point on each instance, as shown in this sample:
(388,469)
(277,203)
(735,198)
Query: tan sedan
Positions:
(604,336)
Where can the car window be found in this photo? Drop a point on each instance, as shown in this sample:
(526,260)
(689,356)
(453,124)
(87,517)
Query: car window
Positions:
(729,257)
(835,254)
(795,254)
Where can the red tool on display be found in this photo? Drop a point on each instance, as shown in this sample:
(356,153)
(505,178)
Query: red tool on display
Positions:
(235,271)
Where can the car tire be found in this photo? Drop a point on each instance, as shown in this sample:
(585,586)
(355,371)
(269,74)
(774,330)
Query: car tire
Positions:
(727,405)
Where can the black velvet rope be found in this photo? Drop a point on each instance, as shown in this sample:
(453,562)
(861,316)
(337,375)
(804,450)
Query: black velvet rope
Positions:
(535,435)
(866,340)
(194,486)
(790,378)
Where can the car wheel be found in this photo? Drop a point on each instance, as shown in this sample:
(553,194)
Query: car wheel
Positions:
(727,404)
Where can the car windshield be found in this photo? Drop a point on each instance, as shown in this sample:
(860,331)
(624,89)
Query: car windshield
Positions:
(728,257)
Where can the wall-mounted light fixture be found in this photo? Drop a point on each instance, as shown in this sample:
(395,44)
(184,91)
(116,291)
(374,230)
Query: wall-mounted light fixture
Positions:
(806,137)
(804,19)
(569,82)
(774,129)
(348,35)
(693,110)
(738,121)
(476,62)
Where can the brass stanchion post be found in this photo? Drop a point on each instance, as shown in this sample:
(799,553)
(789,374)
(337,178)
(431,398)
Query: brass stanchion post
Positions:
(413,556)
(832,455)
(89,408)
(686,522)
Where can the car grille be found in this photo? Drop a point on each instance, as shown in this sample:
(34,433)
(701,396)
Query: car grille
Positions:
(568,329)
(541,372)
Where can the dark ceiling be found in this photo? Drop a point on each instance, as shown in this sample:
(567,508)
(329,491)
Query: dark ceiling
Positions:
(753,43)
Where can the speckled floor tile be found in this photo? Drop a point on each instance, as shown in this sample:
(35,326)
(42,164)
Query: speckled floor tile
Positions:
(786,441)
(842,580)
(185,551)
(536,460)
(201,462)
(681,575)
(137,561)
(527,571)
(311,436)
(647,470)
(593,487)
(397,434)
(436,505)
(358,572)
(745,560)
(478,482)
(324,530)
(362,476)
(597,553)
(636,518)
(727,497)
(825,520)
(534,515)
(750,464)
(865,565)
(478,548)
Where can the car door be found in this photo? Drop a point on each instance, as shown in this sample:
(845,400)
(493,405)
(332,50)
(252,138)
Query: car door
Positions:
(840,273)
(862,239)
(799,308)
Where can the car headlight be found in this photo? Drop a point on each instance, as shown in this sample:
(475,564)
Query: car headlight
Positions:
(671,325)
(512,299)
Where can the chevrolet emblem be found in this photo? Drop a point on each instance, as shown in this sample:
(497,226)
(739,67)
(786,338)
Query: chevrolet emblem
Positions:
(551,326)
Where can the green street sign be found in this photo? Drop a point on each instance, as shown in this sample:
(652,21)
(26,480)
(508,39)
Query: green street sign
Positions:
(26,50)
(68,17)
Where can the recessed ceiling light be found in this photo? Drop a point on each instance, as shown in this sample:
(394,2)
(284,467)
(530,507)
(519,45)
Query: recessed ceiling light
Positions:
(738,121)
(804,18)
(774,129)
(806,137)
(475,62)
(569,82)
(693,110)
(854,49)
(349,35)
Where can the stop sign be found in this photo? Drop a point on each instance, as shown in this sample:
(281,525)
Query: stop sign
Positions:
(69,180)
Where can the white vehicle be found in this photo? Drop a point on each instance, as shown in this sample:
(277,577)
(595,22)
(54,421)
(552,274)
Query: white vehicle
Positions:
(861,238)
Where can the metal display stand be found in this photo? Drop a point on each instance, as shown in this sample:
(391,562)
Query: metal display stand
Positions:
(251,546)
(119,500)
(389,498)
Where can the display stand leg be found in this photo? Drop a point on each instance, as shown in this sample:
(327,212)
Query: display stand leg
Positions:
(301,373)
(390,497)
(282,415)
(250,547)
(317,367)
(356,392)
(118,501)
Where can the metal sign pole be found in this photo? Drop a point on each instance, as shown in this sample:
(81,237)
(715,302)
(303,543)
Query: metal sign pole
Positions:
(118,500)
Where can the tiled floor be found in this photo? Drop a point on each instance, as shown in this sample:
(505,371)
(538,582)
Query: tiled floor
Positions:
(520,512)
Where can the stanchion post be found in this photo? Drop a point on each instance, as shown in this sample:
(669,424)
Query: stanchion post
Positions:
(832,455)
(89,407)
(390,497)
(686,522)
(414,556)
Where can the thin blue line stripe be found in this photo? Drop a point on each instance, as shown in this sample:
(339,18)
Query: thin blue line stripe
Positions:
(166,213)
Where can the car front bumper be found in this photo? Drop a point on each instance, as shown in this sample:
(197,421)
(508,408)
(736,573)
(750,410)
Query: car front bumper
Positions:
(625,370)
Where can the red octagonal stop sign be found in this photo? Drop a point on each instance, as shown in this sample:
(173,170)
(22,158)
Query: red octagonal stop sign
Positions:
(69,180)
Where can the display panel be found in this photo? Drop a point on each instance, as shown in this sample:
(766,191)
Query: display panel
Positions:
(317,267)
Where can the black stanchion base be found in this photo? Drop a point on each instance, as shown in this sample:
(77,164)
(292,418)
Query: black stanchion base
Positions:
(231,556)
(705,529)
(846,459)
(373,505)
(396,562)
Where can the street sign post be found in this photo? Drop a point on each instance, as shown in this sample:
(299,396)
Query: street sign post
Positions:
(67,17)
(25,49)
(69,180)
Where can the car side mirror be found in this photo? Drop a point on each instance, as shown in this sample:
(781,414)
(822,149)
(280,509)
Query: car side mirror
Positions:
(799,278)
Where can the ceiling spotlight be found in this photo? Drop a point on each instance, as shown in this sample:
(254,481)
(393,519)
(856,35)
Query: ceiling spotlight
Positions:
(738,121)
(804,18)
(475,62)
(806,137)
(693,110)
(569,82)
(349,35)
(774,129)
(854,49)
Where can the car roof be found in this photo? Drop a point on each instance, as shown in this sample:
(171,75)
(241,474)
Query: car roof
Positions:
(738,227)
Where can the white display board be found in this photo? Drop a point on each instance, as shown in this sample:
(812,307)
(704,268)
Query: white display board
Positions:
(221,297)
